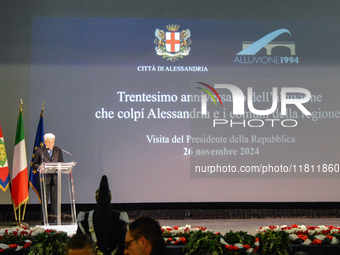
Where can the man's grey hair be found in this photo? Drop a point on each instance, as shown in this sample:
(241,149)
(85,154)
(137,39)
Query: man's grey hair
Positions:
(49,136)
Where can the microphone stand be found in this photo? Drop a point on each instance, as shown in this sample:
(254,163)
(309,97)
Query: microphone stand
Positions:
(73,209)
(68,154)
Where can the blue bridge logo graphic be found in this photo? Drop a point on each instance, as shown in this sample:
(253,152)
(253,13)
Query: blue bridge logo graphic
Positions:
(251,48)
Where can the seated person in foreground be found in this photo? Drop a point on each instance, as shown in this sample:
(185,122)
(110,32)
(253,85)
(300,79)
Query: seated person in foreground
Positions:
(106,227)
(144,237)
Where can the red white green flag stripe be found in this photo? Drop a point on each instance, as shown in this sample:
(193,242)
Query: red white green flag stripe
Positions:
(19,175)
(4,173)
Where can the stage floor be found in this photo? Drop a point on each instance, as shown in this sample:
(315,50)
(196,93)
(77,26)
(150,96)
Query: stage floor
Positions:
(221,225)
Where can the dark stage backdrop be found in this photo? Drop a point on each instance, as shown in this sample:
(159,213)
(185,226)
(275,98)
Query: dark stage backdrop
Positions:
(123,86)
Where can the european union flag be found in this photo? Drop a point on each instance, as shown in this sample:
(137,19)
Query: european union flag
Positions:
(39,141)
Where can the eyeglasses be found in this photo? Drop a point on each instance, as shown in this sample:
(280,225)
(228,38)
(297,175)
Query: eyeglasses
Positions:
(128,243)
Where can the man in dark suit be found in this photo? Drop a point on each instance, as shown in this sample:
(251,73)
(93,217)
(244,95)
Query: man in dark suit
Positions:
(49,153)
(144,237)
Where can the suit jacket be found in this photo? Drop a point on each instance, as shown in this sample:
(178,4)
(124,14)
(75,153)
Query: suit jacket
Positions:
(42,155)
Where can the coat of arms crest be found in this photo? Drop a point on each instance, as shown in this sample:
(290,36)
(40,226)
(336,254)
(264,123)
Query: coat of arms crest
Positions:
(3,157)
(172,44)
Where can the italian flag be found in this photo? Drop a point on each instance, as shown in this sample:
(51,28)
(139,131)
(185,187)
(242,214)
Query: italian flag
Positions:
(4,173)
(19,174)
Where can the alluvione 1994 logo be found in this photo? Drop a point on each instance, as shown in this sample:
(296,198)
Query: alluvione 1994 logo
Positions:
(249,50)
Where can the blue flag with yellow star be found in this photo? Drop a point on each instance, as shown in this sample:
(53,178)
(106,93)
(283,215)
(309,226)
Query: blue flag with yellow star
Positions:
(39,141)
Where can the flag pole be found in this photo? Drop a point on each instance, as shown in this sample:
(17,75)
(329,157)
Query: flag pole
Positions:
(15,211)
(23,215)
(19,209)
(24,212)
(19,214)
(21,104)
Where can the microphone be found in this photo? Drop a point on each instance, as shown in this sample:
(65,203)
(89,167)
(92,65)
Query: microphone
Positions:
(42,155)
(68,154)
(42,158)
